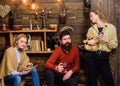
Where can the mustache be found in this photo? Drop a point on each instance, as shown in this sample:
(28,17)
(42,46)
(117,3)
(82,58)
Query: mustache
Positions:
(67,46)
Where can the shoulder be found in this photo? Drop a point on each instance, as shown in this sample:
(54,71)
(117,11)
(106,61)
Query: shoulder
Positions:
(75,48)
(10,49)
(58,49)
(110,25)
(93,27)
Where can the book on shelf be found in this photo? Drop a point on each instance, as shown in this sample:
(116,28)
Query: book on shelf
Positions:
(42,45)
(35,45)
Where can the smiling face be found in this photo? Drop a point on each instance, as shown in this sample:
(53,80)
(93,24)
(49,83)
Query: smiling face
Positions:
(93,17)
(21,43)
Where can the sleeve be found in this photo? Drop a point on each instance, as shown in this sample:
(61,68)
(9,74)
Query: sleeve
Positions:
(113,42)
(77,61)
(8,63)
(50,64)
(15,72)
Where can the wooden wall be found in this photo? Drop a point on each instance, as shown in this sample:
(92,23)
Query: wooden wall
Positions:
(77,17)
(111,9)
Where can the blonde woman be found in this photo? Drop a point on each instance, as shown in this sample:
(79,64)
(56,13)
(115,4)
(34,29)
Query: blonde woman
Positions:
(98,61)
(16,65)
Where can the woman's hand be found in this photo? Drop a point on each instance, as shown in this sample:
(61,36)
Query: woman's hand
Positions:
(30,64)
(24,72)
(92,42)
(103,38)
(27,70)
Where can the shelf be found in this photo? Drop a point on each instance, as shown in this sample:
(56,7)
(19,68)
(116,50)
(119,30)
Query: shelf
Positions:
(26,31)
(33,33)
(38,52)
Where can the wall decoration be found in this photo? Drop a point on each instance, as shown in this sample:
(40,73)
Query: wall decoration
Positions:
(4,10)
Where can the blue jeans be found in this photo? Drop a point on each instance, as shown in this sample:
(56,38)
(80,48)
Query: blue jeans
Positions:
(16,79)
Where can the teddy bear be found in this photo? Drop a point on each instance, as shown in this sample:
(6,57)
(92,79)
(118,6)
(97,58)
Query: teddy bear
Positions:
(90,36)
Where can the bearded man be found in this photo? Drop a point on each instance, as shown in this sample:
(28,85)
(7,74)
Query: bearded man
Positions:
(63,63)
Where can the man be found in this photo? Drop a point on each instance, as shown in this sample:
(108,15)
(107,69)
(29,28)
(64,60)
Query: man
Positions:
(63,63)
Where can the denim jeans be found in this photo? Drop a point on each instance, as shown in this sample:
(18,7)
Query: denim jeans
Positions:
(16,79)
(56,78)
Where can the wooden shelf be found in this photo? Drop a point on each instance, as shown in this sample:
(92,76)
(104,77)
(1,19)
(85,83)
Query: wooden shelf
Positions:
(27,31)
(11,34)
(38,52)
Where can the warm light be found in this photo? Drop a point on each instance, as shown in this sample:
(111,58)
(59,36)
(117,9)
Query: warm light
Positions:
(58,0)
(13,0)
(33,5)
(24,1)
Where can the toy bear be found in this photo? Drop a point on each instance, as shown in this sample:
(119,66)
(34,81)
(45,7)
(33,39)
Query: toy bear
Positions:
(89,47)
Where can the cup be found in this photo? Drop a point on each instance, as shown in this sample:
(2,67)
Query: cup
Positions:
(66,67)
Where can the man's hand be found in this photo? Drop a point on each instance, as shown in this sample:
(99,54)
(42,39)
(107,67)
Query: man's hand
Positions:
(67,75)
(59,68)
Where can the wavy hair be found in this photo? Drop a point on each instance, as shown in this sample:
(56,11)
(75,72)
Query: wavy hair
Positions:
(100,14)
(17,37)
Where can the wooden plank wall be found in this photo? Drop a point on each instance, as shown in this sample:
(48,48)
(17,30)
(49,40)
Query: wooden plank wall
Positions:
(117,22)
(77,17)
(111,9)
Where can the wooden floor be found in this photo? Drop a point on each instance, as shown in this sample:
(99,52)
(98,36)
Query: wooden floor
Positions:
(81,85)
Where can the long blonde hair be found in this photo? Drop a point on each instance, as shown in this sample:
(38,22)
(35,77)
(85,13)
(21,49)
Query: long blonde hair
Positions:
(100,14)
(17,37)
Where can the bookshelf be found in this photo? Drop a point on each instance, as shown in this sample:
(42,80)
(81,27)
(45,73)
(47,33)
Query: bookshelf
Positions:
(39,35)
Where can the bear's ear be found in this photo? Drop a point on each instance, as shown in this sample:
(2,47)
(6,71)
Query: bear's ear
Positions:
(85,41)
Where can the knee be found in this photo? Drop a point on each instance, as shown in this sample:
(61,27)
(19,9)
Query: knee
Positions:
(17,79)
(72,81)
(49,72)
(34,70)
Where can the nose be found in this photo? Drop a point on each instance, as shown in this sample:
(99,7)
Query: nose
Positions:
(68,40)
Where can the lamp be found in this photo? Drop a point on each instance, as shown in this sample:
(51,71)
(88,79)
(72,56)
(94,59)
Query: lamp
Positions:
(33,6)
(62,15)
(32,3)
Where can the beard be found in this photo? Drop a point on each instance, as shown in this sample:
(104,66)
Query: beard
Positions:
(67,46)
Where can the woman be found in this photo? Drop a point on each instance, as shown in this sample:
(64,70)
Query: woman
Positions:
(16,65)
(98,61)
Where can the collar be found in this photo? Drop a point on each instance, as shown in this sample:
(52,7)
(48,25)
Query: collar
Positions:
(95,25)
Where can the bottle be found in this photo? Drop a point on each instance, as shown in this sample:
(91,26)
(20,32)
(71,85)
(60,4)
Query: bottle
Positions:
(4,27)
(11,20)
(62,17)
(57,43)
(50,42)
(30,24)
